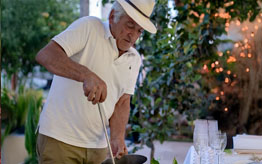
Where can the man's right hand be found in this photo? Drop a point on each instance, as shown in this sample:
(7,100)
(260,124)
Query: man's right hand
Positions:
(55,60)
(95,89)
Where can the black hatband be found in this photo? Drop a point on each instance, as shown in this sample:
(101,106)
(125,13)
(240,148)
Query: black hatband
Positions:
(136,8)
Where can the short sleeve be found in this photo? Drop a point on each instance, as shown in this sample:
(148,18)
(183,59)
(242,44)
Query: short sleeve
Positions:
(75,37)
(135,67)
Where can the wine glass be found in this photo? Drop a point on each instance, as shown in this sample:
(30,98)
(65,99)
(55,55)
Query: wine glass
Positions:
(223,140)
(215,144)
(200,138)
(212,126)
(200,142)
(218,143)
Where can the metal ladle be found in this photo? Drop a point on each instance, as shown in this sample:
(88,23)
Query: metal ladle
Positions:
(126,159)
(107,138)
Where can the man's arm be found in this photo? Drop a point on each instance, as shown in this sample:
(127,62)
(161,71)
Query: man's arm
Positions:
(117,124)
(55,60)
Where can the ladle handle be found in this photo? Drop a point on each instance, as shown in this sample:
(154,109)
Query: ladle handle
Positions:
(101,112)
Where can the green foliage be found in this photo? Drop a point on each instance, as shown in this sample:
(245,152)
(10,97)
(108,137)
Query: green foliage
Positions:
(228,151)
(175,161)
(154,161)
(28,25)
(21,110)
(15,107)
(33,114)
(172,80)
(8,113)
(173,61)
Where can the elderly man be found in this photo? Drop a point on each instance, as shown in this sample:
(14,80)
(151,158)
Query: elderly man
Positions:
(93,62)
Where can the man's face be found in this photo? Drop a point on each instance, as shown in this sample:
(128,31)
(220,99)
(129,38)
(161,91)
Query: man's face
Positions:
(126,31)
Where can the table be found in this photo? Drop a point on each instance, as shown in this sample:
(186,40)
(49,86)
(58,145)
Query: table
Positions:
(233,158)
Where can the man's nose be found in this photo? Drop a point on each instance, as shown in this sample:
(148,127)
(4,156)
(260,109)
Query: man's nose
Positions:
(132,36)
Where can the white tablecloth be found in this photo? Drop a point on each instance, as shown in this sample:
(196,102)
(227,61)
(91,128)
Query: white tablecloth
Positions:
(233,158)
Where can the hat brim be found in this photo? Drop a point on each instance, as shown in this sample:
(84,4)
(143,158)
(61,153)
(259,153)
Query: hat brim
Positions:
(140,19)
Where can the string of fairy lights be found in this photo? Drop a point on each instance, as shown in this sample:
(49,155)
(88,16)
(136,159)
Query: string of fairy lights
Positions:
(244,47)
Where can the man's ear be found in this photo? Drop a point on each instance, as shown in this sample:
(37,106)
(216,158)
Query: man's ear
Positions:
(111,17)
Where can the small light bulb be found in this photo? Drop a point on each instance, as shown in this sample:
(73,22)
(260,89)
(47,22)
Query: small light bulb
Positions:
(226,109)
(238,23)
(226,80)
(242,54)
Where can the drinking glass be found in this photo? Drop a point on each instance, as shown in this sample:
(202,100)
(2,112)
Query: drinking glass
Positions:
(217,142)
(212,126)
(200,138)
(200,143)
(223,139)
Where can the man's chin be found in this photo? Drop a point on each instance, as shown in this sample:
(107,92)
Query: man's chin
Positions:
(124,49)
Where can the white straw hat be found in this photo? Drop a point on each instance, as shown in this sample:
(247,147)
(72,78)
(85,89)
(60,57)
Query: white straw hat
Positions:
(140,11)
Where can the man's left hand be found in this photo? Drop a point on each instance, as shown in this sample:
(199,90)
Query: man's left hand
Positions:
(118,147)
(117,125)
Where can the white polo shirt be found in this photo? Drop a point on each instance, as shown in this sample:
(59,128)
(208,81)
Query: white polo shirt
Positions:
(67,115)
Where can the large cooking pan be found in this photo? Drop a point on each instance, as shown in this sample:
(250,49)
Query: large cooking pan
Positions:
(128,159)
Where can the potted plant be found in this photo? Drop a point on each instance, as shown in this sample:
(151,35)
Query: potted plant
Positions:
(19,116)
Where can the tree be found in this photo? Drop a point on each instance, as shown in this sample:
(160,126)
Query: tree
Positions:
(238,86)
(28,25)
(174,59)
